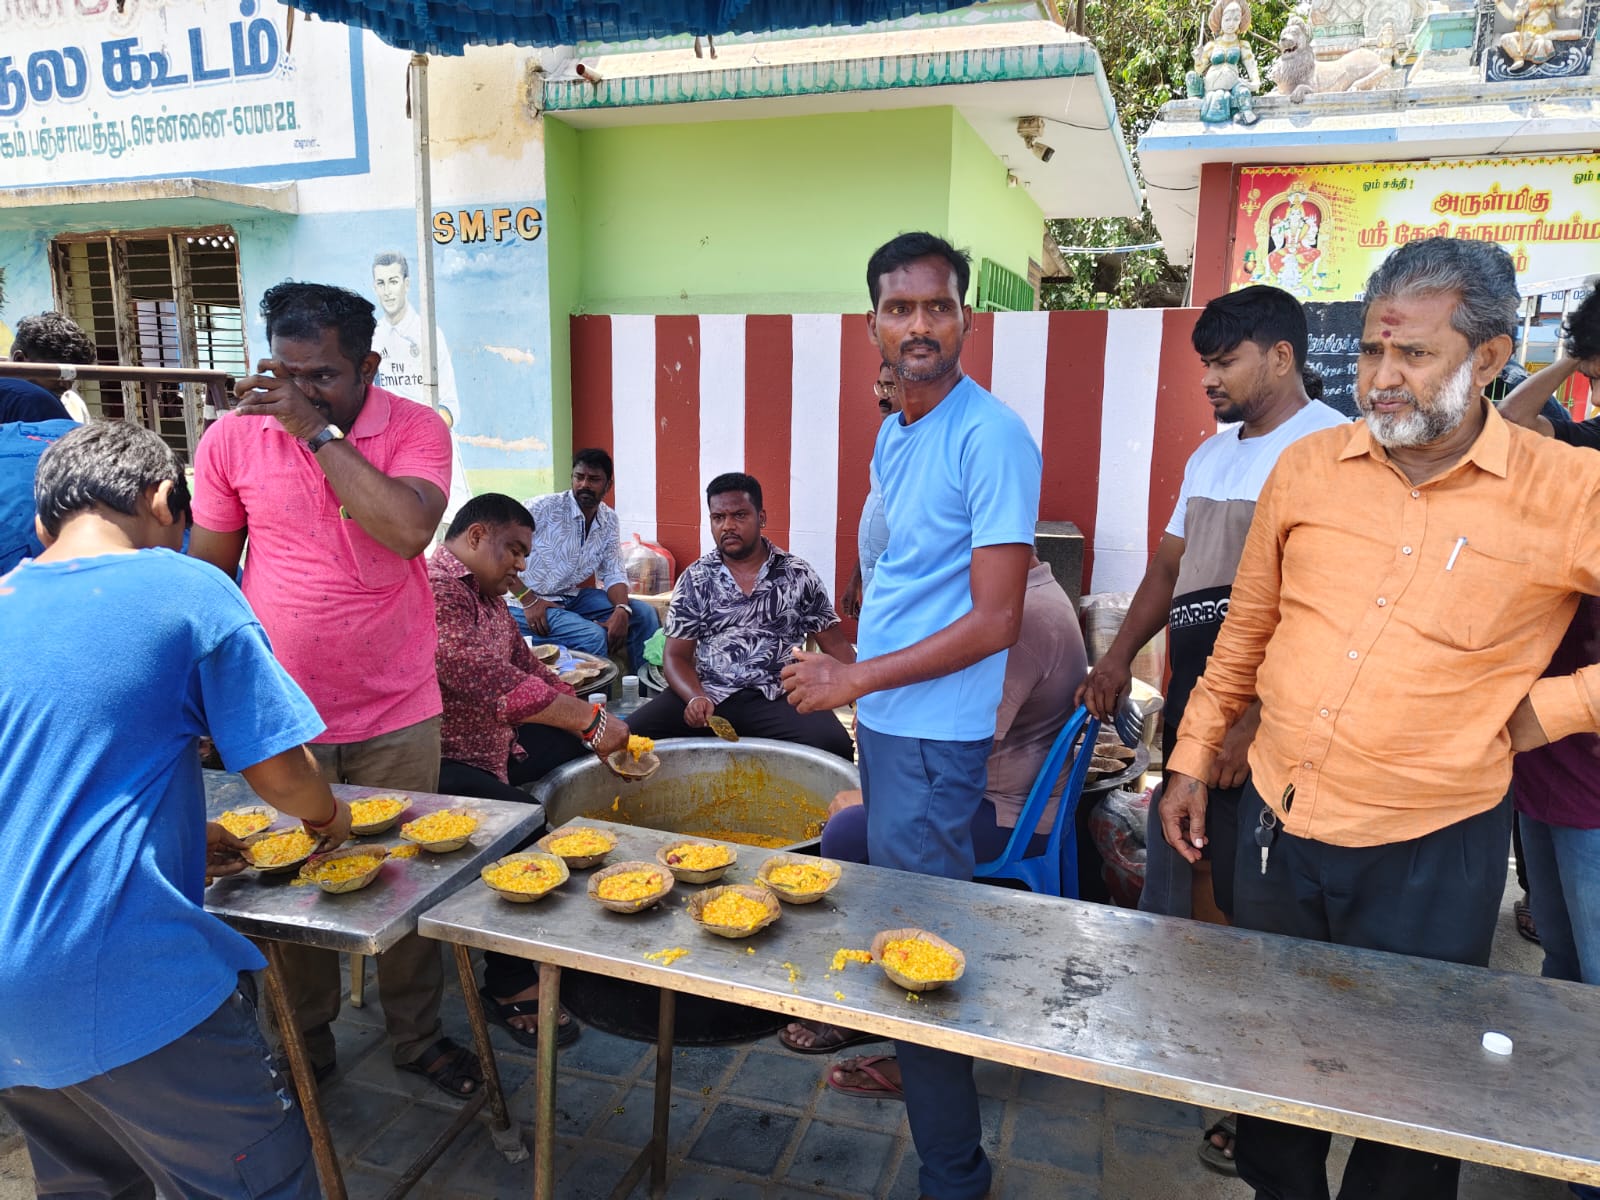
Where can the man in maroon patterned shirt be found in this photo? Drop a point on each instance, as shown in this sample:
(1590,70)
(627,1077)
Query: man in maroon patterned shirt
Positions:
(492,686)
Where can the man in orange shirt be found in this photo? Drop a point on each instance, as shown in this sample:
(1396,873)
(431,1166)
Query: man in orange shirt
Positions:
(1392,565)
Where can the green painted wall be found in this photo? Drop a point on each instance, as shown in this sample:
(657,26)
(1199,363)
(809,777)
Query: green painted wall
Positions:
(778,215)
(988,218)
(564,231)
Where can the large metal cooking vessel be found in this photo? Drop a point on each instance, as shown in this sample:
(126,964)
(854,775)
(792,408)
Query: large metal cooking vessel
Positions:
(776,791)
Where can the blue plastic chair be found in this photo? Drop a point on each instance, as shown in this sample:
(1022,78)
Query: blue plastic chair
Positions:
(1055,872)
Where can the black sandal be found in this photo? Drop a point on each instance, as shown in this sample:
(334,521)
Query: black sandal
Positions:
(453,1069)
(500,1013)
(1220,1158)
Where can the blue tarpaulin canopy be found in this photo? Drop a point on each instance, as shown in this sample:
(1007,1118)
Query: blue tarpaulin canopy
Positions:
(448,26)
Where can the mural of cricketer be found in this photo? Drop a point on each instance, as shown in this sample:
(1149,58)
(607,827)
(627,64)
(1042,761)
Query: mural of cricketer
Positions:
(399,340)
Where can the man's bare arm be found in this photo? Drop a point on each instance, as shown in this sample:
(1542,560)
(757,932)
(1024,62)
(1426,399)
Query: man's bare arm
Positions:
(291,783)
(1147,616)
(677,663)
(999,581)
(400,513)
(1522,405)
(833,641)
(222,549)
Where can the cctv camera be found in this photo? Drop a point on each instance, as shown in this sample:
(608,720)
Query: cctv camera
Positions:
(1041,151)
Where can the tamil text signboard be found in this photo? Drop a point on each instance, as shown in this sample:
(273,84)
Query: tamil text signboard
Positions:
(92,91)
(1319,231)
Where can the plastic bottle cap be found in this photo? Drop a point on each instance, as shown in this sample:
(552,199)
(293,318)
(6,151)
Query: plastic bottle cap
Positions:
(597,697)
(628,680)
(1496,1043)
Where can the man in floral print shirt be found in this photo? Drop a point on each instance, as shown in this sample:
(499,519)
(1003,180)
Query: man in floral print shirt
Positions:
(736,613)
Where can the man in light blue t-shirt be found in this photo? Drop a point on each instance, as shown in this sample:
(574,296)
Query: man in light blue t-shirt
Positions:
(129,1050)
(960,478)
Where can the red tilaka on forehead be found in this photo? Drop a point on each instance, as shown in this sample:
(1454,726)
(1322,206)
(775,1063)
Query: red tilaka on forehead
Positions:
(1390,318)
(1383,333)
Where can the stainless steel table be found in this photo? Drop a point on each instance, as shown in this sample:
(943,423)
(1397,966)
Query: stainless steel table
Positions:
(1358,1042)
(272,910)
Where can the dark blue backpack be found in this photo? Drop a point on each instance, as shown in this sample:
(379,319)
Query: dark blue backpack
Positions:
(21,444)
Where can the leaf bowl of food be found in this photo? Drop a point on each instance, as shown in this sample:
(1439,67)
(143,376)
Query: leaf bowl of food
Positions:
(630,887)
(275,853)
(442,831)
(525,877)
(579,846)
(735,910)
(376,814)
(799,878)
(247,821)
(694,861)
(347,869)
(917,960)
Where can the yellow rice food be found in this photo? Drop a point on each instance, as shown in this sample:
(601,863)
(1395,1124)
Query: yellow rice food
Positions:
(799,877)
(765,841)
(841,957)
(733,911)
(699,858)
(639,745)
(341,870)
(282,848)
(243,824)
(405,851)
(580,843)
(529,875)
(667,957)
(920,960)
(440,826)
(371,812)
(630,885)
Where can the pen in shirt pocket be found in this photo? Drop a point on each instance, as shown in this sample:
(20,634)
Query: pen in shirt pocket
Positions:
(1456,553)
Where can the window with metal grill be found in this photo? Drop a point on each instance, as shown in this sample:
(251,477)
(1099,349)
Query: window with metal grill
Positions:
(160,298)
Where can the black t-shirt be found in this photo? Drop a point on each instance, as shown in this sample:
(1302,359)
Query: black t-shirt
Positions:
(24,401)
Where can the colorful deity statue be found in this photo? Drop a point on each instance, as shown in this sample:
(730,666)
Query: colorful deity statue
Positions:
(1537,29)
(1225,75)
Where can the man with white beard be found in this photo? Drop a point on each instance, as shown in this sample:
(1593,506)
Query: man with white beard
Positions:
(1404,584)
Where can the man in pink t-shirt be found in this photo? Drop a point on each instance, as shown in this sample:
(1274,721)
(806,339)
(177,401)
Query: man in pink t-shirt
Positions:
(338,487)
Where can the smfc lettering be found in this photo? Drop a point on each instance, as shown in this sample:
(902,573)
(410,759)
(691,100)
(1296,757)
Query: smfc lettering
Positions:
(482,224)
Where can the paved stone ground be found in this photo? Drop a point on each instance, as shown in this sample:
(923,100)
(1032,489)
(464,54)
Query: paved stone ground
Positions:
(755,1123)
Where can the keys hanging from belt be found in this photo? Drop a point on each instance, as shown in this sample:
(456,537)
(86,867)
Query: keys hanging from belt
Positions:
(1267,828)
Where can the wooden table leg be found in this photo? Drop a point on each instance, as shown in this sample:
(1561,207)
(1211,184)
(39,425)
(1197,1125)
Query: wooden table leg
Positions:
(544,1123)
(305,1076)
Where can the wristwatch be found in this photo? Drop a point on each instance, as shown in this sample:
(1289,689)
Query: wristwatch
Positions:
(330,433)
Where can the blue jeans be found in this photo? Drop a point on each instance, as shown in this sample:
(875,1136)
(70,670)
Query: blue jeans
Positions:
(1564,891)
(577,624)
(927,794)
(1563,878)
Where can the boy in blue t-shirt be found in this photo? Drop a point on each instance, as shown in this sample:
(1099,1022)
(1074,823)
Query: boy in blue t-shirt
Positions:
(960,476)
(129,1053)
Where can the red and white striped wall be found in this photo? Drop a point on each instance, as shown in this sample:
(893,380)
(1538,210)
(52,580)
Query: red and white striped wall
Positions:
(1112,398)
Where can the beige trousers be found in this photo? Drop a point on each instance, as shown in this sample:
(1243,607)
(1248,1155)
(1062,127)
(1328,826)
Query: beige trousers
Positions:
(411,972)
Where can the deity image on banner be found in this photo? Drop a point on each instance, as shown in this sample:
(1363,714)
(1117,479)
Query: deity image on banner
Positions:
(1288,251)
